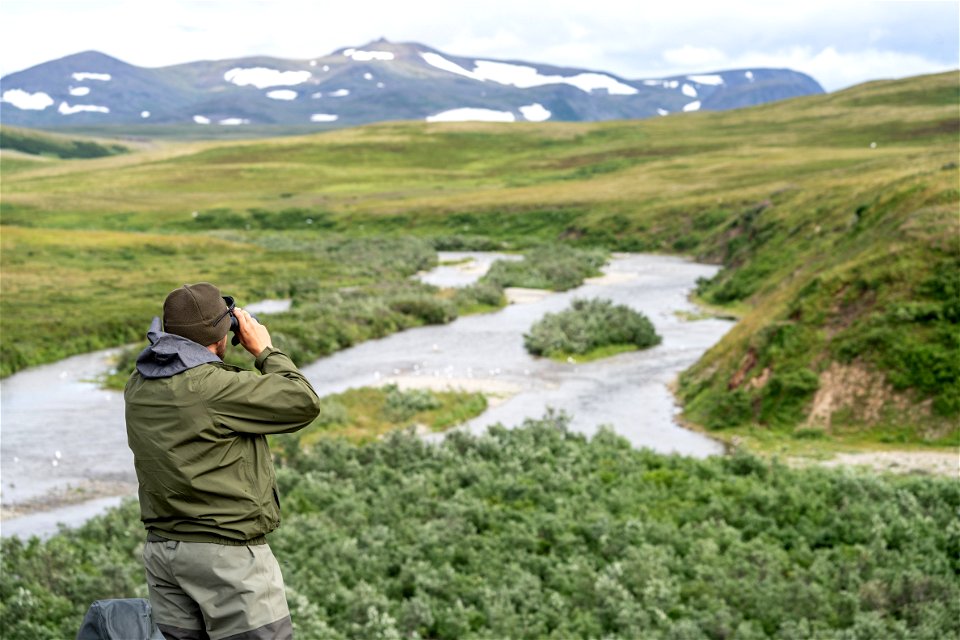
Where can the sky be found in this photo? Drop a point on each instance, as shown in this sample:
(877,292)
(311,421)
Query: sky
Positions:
(840,43)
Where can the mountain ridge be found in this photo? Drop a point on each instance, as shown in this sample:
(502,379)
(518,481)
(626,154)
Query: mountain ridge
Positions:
(380,81)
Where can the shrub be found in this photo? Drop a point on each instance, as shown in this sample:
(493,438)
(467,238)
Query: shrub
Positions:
(425,307)
(786,394)
(400,405)
(482,293)
(557,268)
(589,325)
(540,532)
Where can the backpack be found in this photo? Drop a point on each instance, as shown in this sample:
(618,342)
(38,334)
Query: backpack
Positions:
(126,619)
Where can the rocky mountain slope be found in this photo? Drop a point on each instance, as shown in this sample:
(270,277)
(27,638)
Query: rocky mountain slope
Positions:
(377,82)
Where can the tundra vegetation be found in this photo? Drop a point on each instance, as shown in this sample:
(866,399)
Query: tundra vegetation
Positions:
(590,329)
(538,532)
(835,220)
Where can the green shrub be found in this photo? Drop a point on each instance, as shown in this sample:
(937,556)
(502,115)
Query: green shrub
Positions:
(427,308)
(588,325)
(786,395)
(727,409)
(539,532)
(400,405)
(331,412)
(483,294)
(36,143)
(554,267)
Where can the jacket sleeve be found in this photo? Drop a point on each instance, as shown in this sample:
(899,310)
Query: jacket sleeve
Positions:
(279,401)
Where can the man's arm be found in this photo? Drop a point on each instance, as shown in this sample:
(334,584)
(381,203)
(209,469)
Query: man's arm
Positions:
(279,401)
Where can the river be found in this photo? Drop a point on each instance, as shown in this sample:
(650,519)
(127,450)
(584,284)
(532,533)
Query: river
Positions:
(63,438)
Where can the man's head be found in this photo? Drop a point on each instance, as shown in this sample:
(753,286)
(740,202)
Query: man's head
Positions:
(197,312)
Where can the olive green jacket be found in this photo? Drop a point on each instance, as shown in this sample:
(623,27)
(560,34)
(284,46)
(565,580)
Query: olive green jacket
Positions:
(198,438)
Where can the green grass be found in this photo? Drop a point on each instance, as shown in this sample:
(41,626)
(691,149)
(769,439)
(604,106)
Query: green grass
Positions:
(368,413)
(830,214)
(598,353)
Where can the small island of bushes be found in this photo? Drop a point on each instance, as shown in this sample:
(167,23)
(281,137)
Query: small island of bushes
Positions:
(589,330)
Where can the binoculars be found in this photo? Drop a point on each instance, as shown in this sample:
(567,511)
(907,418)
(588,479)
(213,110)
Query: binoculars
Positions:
(234,323)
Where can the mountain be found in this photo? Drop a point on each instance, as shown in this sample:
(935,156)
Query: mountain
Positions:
(379,81)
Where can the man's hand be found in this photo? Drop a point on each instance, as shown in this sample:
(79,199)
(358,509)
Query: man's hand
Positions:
(253,336)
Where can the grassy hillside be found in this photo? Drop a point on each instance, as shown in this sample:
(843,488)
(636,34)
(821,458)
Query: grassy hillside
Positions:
(60,146)
(835,217)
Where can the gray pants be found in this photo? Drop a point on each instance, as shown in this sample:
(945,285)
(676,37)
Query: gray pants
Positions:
(205,591)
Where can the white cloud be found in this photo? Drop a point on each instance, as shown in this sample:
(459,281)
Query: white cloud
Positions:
(691,57)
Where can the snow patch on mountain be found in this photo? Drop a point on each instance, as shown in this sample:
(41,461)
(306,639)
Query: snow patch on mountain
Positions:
(282,94)
(692,106)
(339,93)
(367,56)
(144,114)
(262,77)
(749,75)
(712,79)
(525,77)
(688,90)
(80,76)
(79,91)
(666,84)
(663,112)
(201,119)
(25,100)
(438,61)
(233,122)
(466,114)
(535,112)
(323,117)
(67,110)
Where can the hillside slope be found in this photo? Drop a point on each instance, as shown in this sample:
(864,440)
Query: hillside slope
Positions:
(835,217)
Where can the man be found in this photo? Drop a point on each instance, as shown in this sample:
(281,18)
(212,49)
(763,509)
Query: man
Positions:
(208,492)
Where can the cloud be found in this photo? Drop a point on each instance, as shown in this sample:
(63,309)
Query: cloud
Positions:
(689,56)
